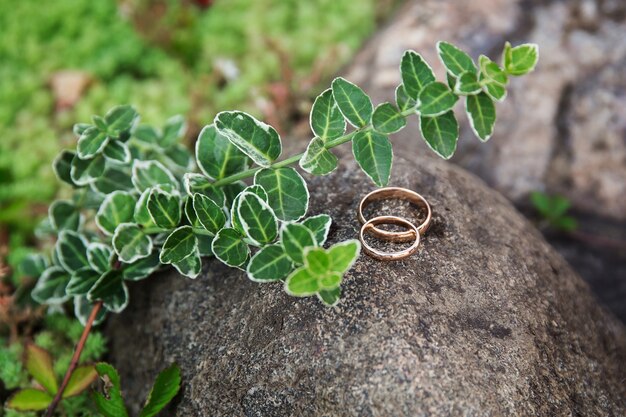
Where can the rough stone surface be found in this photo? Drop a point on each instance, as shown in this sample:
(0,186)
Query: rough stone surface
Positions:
(485,320)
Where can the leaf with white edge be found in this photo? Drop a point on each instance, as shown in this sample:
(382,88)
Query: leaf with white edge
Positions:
(179,244)
(209,214)
(29,399)
(141,215)
(235,222)
(403,101)
(111,403)
(190,214)
(257,219)
(387,119)
(493,89)
(91,143)
(82,281)
(492,71)
(112,290)
(62,166)
(33,265)
(191,266)
(197,183)
(372,151)
(64,215)
(318,160)
(50,287)
(117,208)
(343,255)
(86,171)
(147,134)
(217,156)
(99,122)
(79,128)
(271,263)
(467,84)
(229,247)
(173,130)
(231,191)
(295,238)
(82,311)
(82,377)
(286,190)
(454,59)
(353,103)
(435,99)
(99,256)
(147,174)
(164,208)
(142,268)
(39,366)
(326,120)
(117,151)
(441,133)
(71,248)
(204,244)
(112,180)
(178,158)
(330,297)
(320,226)
(416,74)
(165,388)
(120,119)
(521,59)
(130,243)
(481,111)
(254,138)
(258,190)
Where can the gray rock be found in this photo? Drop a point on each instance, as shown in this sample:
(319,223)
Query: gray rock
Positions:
(485,320)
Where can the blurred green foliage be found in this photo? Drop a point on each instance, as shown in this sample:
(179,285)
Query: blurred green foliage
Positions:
(163,56)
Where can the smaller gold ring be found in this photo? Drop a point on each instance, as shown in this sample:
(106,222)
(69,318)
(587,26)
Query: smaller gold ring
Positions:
(370,226)
(401,193)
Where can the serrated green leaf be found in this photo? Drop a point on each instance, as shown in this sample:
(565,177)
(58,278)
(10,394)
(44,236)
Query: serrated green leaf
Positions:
(164,208)
(467,84)
(254,138)
(387,119)
(86,171)
(64,215)
(91,143)
(353,103)
(173,130)
(62,166)
(330,297)
(493,89)
(148,174)
(229,247)
(436,99)
(111,289)
(440,133)
(326,120)
(111,403)
(403,101)
(71,248)
(209,214)
(257,219)
(112,180)
(320,226)
(521,59)
(39,366)
(286,190)
(141,215)
(481,112)
(82,311)
(416,74)
(197,183)
(191,266)
(120,119)
(117,208)
(295,238)
(165,388)
(454,59)
(217,156)
(29,399)
(178,245)
(372,151)
(99,256)
(82,377)
(492,70)
(82,281)
(318,160)
(117,151)
(271,263)
(142,268)
(130,243)
(50,287)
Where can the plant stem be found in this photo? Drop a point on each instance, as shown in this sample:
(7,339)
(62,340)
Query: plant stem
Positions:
(75,358)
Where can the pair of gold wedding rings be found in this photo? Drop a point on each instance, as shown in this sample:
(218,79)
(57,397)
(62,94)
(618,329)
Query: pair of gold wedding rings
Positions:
(412,233)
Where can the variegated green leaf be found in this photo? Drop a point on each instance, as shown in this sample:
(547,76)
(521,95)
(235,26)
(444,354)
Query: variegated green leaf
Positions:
(113,179)
(64,215)
(130,243)
(82,281)
(91,143)
(441,133)
(257,219)
(330,297)
(50,287)
(353,103)
(82,311)
(173,130)
(142,268)
(209,214)
(271,263)
(179,244)
(521,59)
(295,238)
(320,226)
(120,119)
(318,160)
(99,256)
(190,266)
(229,247)
(455,60)
(141,214)
(164,208)
(112,290)
(387,119)
(435,99)
(287,192)
(481,111)
(147,174)
(326,120)
(117,151)
(117,208)
(403,101)
(373,153)
(71,249)
(467,84)
(416,74)
(217,156)
(492,71)
(86,171)
(197,183)
(62,166)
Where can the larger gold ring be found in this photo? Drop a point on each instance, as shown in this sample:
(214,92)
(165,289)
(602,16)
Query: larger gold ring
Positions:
(370,226)
(401,193)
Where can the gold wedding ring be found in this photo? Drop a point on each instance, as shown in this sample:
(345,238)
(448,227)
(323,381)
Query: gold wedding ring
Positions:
(370,227)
